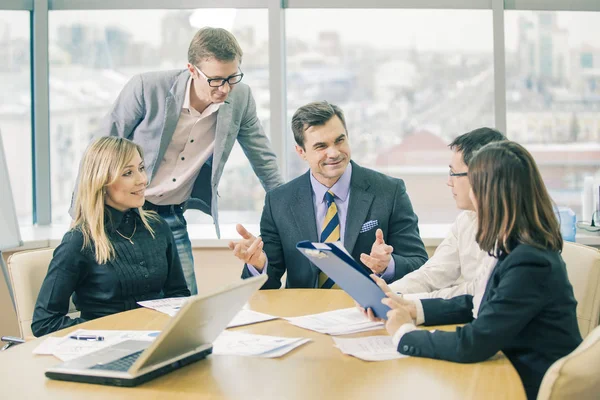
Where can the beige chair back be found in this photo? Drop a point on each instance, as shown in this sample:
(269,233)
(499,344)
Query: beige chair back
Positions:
(583,268)
(575,376)
(27,270)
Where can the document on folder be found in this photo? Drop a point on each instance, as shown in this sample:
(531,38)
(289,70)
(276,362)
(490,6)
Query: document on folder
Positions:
(336,262)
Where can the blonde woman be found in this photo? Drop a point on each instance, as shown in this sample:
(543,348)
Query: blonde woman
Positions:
(115,254)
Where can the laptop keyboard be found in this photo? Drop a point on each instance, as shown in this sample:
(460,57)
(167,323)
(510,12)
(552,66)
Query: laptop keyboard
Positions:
(122,364)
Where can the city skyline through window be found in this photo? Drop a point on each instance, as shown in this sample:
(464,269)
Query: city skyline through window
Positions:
(408,80)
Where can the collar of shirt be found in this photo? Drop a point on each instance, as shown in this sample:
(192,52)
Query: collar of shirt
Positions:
(114,218)
(213,107)
(340,189)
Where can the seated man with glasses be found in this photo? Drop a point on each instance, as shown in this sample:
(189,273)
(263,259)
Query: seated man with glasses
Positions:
(458,266)
(186,122)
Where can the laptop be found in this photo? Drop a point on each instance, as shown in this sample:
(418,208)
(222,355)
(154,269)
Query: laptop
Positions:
(187,338)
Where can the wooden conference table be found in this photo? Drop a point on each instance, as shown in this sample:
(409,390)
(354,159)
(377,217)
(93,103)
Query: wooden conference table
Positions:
(317,370)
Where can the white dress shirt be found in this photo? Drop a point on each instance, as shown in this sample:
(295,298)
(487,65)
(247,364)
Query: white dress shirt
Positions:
(454,267)
(191,146)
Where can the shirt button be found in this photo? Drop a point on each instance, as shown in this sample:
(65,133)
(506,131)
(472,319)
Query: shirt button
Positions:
(145,275)
(174,179)
(142,263)
(405,348)
(182,158)
(192,141)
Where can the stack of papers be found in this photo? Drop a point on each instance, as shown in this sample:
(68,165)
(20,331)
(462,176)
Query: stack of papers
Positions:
(338,322)
(372,348)
(247,344)
(65,348)
(171,306)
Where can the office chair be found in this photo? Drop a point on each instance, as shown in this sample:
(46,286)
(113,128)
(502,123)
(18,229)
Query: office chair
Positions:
(10,341)
(583,269)
(575,376)
(27,270)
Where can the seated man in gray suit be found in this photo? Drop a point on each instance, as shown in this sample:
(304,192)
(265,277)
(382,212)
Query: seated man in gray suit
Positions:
(335,200)
(187,121)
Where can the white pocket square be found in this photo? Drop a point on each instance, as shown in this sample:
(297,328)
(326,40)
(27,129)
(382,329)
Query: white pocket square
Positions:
(367,226)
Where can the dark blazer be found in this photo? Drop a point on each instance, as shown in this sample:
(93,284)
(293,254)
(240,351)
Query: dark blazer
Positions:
(147,269)
(527,312)
(289,217)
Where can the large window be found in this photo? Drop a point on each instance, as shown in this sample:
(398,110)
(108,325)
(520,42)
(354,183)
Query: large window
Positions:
(409,81)
(94,53)
(553,96)
(15,107)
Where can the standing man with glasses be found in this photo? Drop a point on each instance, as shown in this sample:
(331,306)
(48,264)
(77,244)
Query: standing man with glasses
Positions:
(187,122)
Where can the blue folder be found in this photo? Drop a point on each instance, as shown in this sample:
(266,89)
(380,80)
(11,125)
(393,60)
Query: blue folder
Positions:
(347,273)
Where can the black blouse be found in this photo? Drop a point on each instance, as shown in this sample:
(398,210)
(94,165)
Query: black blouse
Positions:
(148,269)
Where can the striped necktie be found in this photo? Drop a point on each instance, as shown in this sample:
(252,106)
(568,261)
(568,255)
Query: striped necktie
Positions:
(329,233)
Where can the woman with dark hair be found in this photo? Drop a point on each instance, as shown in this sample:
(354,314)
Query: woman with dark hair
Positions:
(528,307)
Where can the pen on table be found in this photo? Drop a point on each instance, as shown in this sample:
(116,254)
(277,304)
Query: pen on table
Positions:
(88,337)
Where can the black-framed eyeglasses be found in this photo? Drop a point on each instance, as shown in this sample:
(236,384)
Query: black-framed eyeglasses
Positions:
(218,82)
(457,173)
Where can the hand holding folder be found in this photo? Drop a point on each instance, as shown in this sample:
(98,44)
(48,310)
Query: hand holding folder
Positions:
(334,260)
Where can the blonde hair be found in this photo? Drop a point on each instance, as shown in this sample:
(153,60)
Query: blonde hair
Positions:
(102,164)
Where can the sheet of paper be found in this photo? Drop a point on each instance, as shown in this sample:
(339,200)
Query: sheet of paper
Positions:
(170,306)
(247,317)
(371,348)
(340,246)
(337,322)
(65,348)
(247,344)
(48,346)
(284,349)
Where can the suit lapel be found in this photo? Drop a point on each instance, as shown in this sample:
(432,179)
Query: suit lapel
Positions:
(303,212)
(173,104)
(224,116)
(358,208)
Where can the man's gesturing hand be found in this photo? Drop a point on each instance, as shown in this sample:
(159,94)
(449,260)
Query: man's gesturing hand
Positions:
(380,256)
(249,249)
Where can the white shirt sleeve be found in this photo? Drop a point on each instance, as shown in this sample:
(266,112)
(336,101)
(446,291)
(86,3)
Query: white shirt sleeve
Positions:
(440,271)
(446,293)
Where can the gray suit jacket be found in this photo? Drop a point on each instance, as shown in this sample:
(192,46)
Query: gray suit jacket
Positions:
(289,217)
(147,111)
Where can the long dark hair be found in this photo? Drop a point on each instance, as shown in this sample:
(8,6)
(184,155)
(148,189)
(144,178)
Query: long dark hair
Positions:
(513,204)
